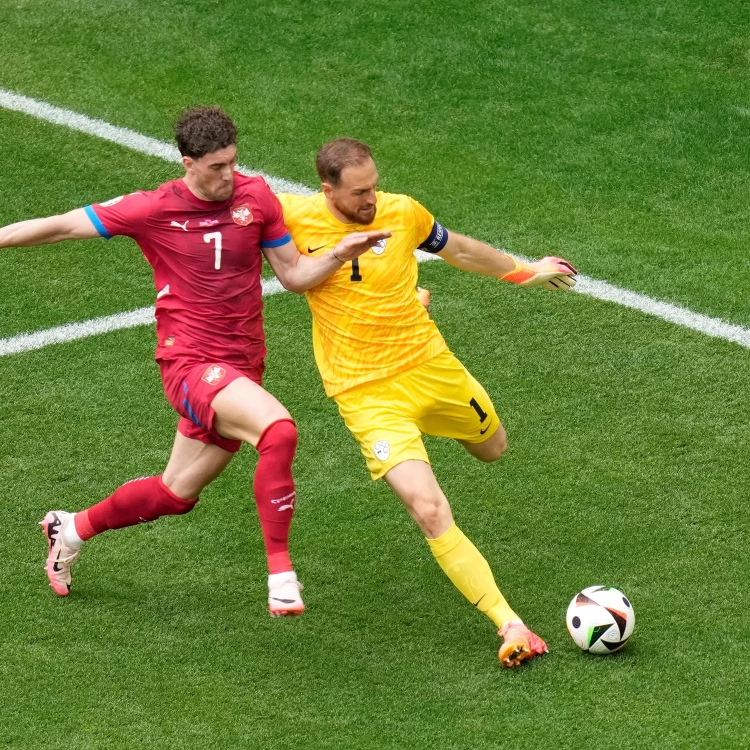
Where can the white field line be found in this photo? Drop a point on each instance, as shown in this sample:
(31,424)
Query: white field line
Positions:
(26,342)
(681,316)
(122,136)
(144,144)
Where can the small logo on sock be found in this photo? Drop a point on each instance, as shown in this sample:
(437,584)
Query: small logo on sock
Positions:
(291,498)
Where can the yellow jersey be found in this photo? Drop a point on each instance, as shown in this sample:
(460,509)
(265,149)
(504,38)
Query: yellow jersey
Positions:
(367,321)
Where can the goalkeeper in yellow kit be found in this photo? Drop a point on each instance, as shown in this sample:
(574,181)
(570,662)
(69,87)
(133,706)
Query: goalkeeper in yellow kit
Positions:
(388,368)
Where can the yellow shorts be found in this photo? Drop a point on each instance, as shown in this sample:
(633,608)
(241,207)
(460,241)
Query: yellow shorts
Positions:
(439,397)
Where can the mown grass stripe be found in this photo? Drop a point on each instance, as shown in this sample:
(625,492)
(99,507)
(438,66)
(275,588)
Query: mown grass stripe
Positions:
(122,136)
(26,342)
(144,144)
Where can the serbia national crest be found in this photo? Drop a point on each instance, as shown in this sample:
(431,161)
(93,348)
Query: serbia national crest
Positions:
(242,214)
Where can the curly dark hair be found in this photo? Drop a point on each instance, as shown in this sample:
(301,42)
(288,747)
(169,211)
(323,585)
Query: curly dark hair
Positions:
(203,130)
(334,156)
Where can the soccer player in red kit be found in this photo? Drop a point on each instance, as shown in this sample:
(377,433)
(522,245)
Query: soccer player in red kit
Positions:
(204,235)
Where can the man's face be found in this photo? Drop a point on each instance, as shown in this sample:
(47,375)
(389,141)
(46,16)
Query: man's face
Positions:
(211,176)
(354,196)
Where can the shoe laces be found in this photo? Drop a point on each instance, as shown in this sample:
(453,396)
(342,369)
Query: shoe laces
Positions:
(68,559)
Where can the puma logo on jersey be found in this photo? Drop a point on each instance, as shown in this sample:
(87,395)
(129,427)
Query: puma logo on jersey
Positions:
(181,226)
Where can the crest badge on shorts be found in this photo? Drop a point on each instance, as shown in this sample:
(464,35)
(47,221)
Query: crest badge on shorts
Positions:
(213,374)
(242,214)
(382,449)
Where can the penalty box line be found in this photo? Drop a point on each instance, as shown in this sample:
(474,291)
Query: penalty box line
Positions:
(144,144)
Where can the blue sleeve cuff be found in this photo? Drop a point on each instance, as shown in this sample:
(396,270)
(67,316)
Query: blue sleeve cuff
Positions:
(277,243)
(97,223)
(437,239)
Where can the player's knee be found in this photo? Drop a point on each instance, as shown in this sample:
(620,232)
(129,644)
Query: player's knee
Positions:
(430,511)
(279,437)
(493,448)
(500,446)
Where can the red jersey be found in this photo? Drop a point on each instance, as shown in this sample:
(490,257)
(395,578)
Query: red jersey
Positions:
(207,260)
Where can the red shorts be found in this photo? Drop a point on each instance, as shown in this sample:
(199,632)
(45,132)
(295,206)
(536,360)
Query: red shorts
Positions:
(192,386)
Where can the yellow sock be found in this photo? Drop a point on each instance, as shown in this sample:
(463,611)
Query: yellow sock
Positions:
(470,573)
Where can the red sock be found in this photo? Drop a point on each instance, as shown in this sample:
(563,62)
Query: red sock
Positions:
(274,491)
(137,501)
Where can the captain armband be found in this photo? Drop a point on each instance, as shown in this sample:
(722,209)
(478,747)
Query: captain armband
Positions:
(437,239)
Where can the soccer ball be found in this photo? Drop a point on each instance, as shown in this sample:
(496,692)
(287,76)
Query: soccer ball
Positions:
(600,619)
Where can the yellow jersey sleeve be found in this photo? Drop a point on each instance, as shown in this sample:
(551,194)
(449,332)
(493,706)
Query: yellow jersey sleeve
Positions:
(367,321)
(423,221)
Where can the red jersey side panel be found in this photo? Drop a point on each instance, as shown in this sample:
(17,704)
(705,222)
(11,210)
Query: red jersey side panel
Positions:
(207,260)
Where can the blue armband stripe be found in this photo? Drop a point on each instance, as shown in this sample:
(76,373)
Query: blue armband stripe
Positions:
(437,239)
(96,221)
(277,243)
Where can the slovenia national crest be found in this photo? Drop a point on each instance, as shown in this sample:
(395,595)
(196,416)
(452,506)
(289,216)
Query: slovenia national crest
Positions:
(379,247)
(242,214)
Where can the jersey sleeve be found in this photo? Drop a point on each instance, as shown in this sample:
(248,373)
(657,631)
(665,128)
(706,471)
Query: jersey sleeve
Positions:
(430,235)
(274,232)
(125,215)
(285,199)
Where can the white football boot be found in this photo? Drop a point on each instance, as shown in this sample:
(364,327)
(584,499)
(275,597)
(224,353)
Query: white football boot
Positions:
(61,554)
(284,598)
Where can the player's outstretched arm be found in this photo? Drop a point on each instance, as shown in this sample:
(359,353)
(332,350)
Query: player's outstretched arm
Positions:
(472,255)
(298,273)
(74,225)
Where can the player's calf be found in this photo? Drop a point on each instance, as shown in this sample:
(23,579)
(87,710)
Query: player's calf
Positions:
(137,501)
(275,494)
(491,449)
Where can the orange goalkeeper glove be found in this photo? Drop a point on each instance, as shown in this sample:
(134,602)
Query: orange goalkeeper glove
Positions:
(549,272)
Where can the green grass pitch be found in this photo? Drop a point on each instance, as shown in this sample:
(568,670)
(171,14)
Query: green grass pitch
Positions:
(613,134)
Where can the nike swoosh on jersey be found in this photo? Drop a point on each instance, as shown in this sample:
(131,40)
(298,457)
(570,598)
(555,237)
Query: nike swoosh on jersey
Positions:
(314,249)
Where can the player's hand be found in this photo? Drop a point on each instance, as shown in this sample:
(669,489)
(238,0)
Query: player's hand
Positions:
(550,272)
(357,243)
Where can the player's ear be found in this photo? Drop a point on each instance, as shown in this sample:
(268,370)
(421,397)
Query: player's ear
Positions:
(327,189)
(187,162)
